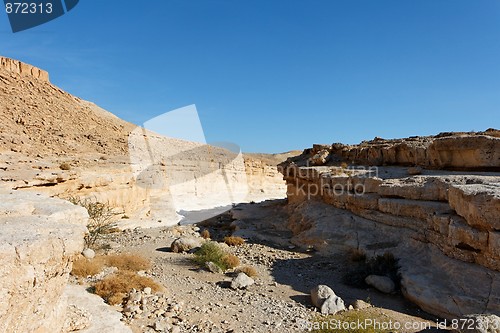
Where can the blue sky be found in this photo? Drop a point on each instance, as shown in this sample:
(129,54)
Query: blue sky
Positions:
(276,75)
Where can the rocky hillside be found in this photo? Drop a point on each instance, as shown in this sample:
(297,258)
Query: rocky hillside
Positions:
(434,202)
(54,142)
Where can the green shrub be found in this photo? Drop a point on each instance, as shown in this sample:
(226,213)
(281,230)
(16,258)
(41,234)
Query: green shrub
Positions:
(211,251)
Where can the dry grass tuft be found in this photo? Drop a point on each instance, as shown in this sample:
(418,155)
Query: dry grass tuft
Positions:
(249,270)
(205,234)
(231,261)
(115,287)
(357,255)
(234,240)
(84,267)
(128,262)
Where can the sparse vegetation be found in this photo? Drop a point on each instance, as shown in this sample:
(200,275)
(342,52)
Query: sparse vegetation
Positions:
(205,234)
(211,251)
(84,267)
(248,270)
(386,265)
(115,287)
(231,261)
(128,262)
(65,166)
(101,218)
(357,255)
(344,165)
(351,322)
(234,240)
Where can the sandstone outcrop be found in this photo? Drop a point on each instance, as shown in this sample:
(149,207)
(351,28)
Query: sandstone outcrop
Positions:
(18,67)
(39,237)
(442,224)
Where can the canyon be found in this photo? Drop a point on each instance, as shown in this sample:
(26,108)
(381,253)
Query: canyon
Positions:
(431,202)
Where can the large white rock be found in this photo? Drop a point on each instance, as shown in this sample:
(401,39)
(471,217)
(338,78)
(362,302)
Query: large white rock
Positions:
(324,298)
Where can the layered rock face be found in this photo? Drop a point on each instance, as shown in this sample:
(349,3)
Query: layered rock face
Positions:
(38,237)
(442,224)
(18,67)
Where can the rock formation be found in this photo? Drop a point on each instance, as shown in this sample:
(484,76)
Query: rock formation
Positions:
(39,236)
(441,221)
(18,67)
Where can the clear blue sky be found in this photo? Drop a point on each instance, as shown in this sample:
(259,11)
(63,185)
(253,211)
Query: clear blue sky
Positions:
(277,75)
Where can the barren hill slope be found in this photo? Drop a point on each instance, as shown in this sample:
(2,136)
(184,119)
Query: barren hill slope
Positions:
(38,117)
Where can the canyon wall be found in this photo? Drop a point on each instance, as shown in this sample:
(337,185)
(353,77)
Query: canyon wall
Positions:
(443,225)
(38,238)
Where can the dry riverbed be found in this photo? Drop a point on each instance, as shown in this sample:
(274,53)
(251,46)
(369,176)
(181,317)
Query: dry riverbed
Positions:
(196,300)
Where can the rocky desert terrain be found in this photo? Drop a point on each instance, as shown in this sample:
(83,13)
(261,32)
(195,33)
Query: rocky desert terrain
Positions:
(400,231)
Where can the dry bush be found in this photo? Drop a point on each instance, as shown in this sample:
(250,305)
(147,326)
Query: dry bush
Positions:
(249,270)
(205,234)
(65,166)
(128,262)
(84,267)
(231,261)
(100,218)
(344,165)
(234,240)
(115,287)
(357,255)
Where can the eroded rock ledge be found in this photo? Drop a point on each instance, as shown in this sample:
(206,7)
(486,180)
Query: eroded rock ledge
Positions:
(18,67)
(38,237)
(443,225)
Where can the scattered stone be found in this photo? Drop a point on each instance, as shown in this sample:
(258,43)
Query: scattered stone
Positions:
(381,283)
(147,291)
(242,281)
(412,171)
(360,305)
(76,319)
(324,298)
(184,244)
(88,253)
(213,267)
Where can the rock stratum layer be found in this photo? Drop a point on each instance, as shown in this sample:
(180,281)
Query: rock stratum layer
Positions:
(39,236)
(443,225)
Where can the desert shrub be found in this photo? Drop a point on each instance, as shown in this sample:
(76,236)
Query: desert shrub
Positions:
(357,255)
(84,267)
(65,166)
(248,270)
(231,261)
(385,265)
(211,251)
(128,262)
(234,241)
(100,218)
(115,287)
(205,234)
(344,165)
(356,319)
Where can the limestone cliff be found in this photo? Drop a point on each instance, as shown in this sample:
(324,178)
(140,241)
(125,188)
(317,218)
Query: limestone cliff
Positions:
(442,224)
(38,238)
